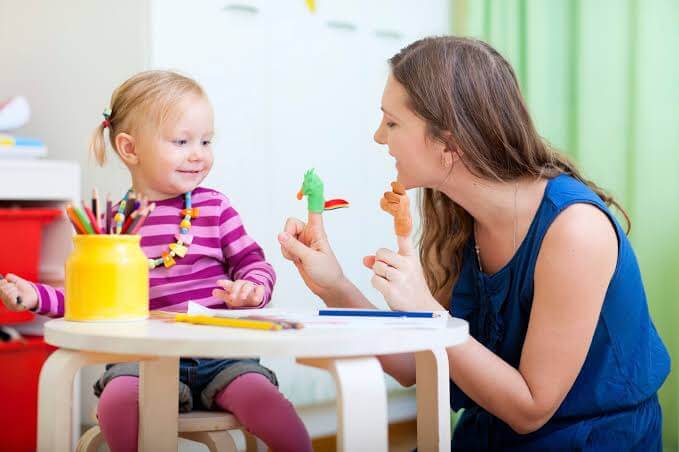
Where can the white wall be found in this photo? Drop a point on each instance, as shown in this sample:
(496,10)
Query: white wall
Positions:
(294,90)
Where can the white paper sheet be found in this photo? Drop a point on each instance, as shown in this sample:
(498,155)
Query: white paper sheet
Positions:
(311,319)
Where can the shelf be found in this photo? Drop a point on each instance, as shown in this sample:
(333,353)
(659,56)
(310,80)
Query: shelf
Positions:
(39,180)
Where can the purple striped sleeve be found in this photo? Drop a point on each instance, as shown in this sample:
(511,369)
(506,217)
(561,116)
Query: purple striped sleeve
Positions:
(244,257)
(50,300)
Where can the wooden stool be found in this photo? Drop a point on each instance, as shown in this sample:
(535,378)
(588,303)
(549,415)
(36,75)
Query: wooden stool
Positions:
(207,427)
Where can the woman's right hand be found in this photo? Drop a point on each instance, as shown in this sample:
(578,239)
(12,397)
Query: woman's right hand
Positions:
(306,245)
(14,289)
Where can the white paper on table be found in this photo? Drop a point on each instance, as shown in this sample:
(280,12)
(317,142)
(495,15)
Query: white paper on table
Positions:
(311,319)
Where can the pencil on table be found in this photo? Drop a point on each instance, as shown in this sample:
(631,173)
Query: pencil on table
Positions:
(234,323)
(286,324)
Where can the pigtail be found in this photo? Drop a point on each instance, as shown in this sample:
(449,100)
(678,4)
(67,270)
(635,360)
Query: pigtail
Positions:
(98,144)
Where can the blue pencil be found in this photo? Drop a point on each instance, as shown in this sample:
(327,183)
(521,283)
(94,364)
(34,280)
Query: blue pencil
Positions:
(374,313)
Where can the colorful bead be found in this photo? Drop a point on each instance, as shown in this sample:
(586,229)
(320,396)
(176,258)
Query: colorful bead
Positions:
(186,239)
(191,213)
(178,249)
(168,261)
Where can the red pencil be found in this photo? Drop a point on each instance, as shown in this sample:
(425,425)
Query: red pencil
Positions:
(141,218)
(90,215)
(128,223)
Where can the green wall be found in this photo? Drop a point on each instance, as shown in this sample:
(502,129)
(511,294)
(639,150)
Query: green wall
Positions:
(602,82)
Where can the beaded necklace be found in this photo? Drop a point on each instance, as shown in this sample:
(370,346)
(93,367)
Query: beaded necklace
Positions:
(184,239)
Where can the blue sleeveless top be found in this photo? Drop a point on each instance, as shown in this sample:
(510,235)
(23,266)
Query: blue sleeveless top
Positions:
(612,404)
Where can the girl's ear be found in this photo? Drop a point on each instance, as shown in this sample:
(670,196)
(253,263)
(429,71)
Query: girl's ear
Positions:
(125,145)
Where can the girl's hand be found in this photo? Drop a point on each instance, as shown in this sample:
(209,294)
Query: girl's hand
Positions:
(400,279)
(307,246)
(17,294)
(239,293)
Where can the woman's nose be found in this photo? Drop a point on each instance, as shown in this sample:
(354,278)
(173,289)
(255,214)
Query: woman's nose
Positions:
(379,135)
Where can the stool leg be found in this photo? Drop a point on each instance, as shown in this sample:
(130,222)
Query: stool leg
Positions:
(158,394)
(361,402)
(254,444)
(55,395)
(91,440)
(219,441)
(433,400)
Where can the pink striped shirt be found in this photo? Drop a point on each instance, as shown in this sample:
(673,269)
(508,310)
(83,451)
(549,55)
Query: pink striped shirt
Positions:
(221,249)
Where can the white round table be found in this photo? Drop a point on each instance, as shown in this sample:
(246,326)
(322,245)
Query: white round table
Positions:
(348,354)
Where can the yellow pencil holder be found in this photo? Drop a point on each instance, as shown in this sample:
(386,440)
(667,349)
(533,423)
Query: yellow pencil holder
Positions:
(107,278)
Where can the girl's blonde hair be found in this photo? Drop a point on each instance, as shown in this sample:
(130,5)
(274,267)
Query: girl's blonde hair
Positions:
(145,100)
(470,98)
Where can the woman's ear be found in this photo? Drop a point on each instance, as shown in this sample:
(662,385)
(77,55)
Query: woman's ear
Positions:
(125,145)
(447,158)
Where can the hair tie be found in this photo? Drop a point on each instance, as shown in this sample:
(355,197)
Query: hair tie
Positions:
(107,115)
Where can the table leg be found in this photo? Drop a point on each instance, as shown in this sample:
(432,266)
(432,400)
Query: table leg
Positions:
(55,395)
(361,402)
(158,404)
(433,400)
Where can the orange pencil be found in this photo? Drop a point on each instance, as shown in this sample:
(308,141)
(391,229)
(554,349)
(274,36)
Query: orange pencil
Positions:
(75,221)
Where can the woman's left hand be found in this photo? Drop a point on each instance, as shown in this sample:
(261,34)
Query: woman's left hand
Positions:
(400,279)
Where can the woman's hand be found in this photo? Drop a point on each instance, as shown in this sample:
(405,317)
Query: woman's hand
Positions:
(239,293)
(400,279)
(306,245)
(17,294)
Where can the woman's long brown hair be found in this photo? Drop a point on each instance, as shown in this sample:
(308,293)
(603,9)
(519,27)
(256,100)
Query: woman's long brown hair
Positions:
(469,96)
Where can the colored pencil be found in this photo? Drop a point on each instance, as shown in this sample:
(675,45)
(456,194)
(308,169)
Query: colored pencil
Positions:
(93,220)
(374,313)
(128,222)
(96,208)
(234,323)
(109,208)
(79,228)
(141,218)
(131,201)
(83,220)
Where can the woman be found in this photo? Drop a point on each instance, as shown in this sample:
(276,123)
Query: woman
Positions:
(563,353)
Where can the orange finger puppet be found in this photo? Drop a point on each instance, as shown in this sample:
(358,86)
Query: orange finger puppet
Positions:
(397,204)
